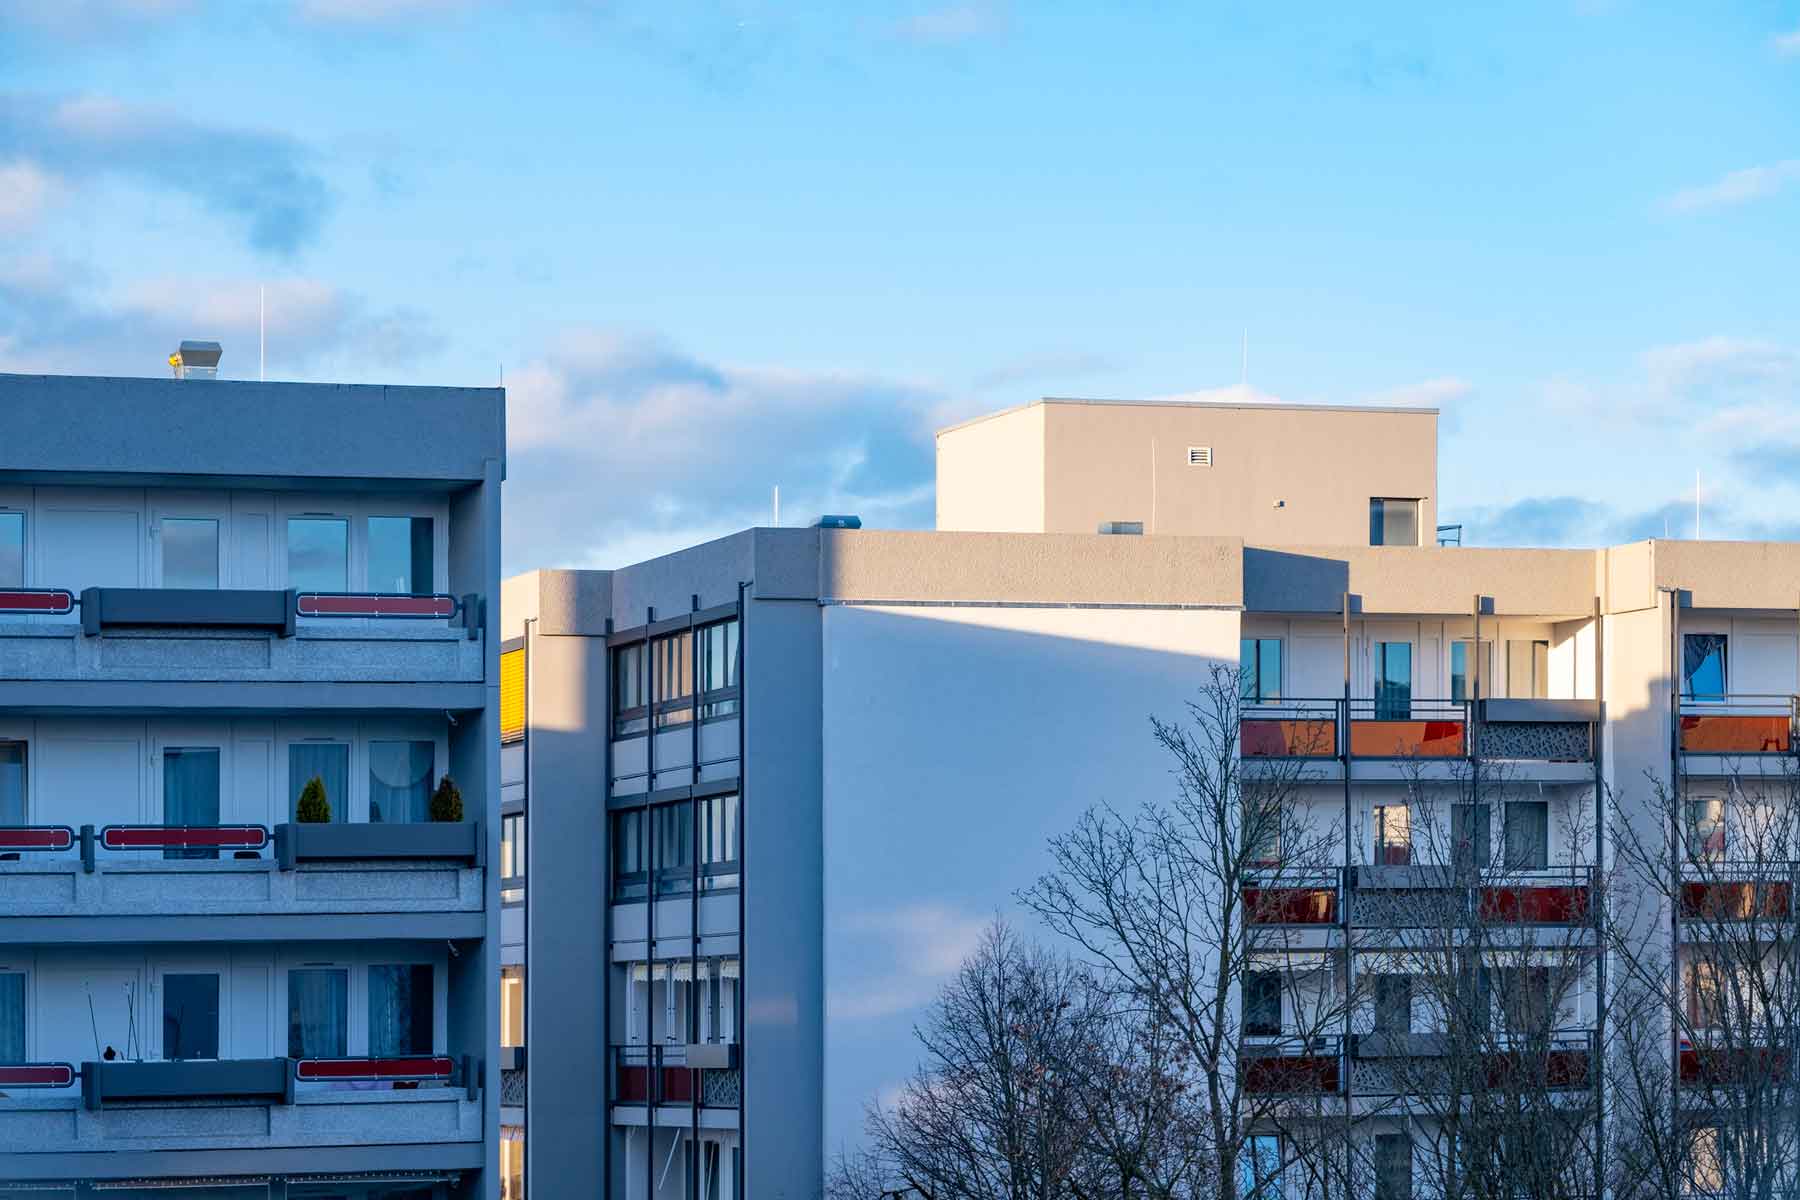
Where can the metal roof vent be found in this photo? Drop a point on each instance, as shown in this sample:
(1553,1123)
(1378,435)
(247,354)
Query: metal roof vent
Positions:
(196,360)
(1199,456)
(839,521)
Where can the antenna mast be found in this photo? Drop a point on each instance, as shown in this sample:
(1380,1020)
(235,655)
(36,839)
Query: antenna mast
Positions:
(262,324)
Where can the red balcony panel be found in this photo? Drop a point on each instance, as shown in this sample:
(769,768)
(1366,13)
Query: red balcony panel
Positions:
(36,837)
(1406,739)
(1736,733)
(1558,904)
(1290,906)
(1737,900)
(369,604)
(53,602)
(36,1075)
(1558,1069)
(1729,1065)
(184,837)
(311,1070)
(634,1085)
(677,1085)
(1304,1074)
(1270,737)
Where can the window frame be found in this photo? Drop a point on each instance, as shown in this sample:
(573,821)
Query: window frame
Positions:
(286,515)
(22,512)
(1379,827)
(722,874)
(1251,689)
(219,969)
(1463,681)
(376,511)
(368,999)
(673,710)
(721,702)
(1723,650)
(1253,981)
(1386,698)
(24,969)
(348,970)
(1378,519)
(1539,849)
(630,720)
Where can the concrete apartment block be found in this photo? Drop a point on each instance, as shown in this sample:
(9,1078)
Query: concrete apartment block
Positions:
(211,594)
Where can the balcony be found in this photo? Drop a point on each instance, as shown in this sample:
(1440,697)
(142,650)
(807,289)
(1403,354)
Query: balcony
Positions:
(1293,729)
(208,635)
(1293,1067)
(1409,729)
(706,1073)
(141,871)
(1733,892)
(1560,731)
(1442,897)
(1739,725)
(1524,731)
(1308,898)
(1715,1063)
(1401,1063)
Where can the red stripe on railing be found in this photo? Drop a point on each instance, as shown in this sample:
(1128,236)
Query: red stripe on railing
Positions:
(326,604)
(34,1075)
(311,1070)
(36,837)
(54,601)
(178,837)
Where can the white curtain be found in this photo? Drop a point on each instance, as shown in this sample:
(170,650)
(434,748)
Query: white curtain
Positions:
(400,780)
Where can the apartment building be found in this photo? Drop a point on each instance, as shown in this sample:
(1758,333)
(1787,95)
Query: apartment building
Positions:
(830,753)
(247,946)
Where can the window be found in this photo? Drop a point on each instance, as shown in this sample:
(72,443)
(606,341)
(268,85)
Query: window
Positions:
(719,669)
(12,549)
(400,781)
(12,783)
(1393,681)
(1262,1003)
(1706,995)
(1706,829)
(190,552)
(191,793)
(400,555)
(672,837)
(1393,1166)
(1706,1164)
(1527,835)
(718,999)
(1263,837)
(512,695)
(1393,835)
(1260,1168)
(1393,1004)
(12,1016)
(190,1006)
(512,1163)
(1703,666)
(1462,684)
(1474,997)
(329,763)
(630,690)
(630,861)
(1472,836)
(1393,522)
(1525,999)
(1527,668)
(1129,528)
(1259,669)
(718,842)
(512,846)
(672,678)
(318,554)
(318,1012)
(512,1006)
(400,1010)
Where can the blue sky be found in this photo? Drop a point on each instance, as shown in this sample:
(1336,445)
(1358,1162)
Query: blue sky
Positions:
(715,247)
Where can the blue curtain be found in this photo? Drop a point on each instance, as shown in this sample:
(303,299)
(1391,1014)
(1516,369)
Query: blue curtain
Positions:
(190,793)
(12,783)
(400,780)
(330,761)
(1703,666)
(400,1013)
(318,1012)
(12,1016)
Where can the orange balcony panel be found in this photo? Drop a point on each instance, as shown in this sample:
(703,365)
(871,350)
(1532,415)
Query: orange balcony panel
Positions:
(1737,900)
(1290,906)
(1271,737)
(1565,904)
(1406,739)
(1307,1074)
(1736,733)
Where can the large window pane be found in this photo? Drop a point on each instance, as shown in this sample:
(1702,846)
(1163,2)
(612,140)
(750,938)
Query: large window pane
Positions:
(672,678)
(630,699)
(1471,836)
(12,1016)
(400,550)
(719,667)
(12,783)
(1462,679)
(1393,1166)
(673,838)
(190,552)
(1706,829)
(400,1010)
(1262,1003)
(1393,522)
(512,846)
(1527,835)
(329,762)
(400,781)
(1393,1004)
(190,1005)
(1703,666)
(318,554)
(12,549)
(1393,835)
(191,793)
(719,841)
(318,1012)
(1259,669)
(512,1006)
(630,864)
(1393,681)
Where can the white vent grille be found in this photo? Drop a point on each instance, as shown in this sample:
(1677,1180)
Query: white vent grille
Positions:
(1199,456)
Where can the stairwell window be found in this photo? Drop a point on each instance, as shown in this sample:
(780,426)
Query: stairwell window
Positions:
(1393,522)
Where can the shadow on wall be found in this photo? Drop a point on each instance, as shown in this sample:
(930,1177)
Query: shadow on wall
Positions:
(957,740)
(1281,581)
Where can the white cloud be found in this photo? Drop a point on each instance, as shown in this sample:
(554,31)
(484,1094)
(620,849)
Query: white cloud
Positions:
(1237,393)
(26,190)
(951,24)
(377,12)
(1718,362)
(924,943)
(1736,187)
(1787,44)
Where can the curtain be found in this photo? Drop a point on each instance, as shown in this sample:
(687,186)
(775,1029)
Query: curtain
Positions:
(1527,835)
(12,1016)
(12,783)
(330,761)
(400,780)
(1703,666)
(191,793)
(400,1017)
(318,1012)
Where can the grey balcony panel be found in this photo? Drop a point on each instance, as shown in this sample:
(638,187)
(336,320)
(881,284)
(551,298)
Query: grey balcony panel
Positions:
(270,1080)
(1400,1045)
(512,1058)
(1540,741)
(1578,711)
(187,608)
(454,841)
(1409,877)
(711,1056)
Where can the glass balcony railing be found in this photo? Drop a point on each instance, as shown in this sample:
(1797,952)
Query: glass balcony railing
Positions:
(1293,1066)
(1739,725)
(1398,728)
(1293,898)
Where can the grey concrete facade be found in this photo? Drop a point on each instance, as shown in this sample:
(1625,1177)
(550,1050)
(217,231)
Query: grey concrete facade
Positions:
(168,718)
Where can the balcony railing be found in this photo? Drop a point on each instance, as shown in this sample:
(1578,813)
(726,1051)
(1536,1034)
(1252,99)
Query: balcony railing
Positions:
(1724,891)
(1387,727)
(1740,725)
(1446,897)
(708,1073)
(1552,896)
(1293,1066)
(1293,898)
(1289,729)
(1391,728)
(1733,1065)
